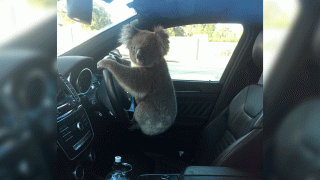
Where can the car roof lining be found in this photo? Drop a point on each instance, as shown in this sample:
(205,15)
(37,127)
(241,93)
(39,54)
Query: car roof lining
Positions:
(203,11)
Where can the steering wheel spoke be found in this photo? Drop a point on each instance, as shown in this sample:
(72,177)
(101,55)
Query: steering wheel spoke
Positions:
(119,101)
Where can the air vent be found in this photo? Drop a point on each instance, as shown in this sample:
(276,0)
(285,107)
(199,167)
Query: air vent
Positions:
(70,87)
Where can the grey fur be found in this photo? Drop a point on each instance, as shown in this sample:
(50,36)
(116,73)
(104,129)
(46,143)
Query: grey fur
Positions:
(163,39)
(127,33)
(150,83)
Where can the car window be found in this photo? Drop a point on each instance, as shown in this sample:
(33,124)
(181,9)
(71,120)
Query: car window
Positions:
(199,51)
(105,15)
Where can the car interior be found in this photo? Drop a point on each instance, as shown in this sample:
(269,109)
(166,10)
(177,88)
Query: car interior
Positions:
(251,124)
(219,125)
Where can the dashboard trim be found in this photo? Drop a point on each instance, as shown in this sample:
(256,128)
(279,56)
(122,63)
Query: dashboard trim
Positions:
(91,81)
(62,117)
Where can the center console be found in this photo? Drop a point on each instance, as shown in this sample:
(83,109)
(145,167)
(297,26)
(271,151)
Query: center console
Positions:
(158,176)
(206,173)
(74,131)
(221,173)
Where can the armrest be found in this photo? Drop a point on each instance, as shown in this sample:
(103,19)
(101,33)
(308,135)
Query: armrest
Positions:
(207,172)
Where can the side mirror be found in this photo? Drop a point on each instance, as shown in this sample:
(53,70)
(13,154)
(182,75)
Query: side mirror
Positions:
(80,10)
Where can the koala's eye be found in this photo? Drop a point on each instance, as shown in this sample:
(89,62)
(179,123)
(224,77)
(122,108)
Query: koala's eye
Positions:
(139,52)
(140,55)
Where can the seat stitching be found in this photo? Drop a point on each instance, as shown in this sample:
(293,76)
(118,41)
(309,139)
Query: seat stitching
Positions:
(247,113)
(251,116)
(236,116)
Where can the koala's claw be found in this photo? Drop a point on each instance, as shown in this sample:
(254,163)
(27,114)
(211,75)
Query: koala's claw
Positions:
(134,125)
(104,63)
(101,64)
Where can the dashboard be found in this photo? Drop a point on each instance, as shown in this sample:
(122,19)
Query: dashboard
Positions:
(74,130)
(77,86)
(83,105)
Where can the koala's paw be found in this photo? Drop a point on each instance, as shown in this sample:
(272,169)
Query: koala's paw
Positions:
(104,63)
(134,125)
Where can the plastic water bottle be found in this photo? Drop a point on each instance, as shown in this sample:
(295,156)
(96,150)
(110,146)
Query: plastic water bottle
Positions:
(121,171)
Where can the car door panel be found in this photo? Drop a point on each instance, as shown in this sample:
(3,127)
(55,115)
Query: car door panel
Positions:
(195,101)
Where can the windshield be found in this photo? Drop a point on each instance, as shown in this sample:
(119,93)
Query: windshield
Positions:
(71,33)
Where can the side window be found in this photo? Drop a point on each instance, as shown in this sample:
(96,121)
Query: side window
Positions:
(201,51)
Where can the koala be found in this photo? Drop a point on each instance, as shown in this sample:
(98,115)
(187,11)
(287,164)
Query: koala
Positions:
(148,80)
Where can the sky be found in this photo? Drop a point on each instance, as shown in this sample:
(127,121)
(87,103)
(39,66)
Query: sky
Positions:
(236,28)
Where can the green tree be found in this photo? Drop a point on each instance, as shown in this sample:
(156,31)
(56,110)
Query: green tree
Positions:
(175,31)
(225,32)
(214,35)
(63,19)
(100,19)
(224,35)
(208,29)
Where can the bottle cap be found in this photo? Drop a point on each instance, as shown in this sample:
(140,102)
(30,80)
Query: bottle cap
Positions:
(118,159)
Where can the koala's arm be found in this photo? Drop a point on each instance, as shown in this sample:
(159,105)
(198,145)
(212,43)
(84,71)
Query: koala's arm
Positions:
(133,79)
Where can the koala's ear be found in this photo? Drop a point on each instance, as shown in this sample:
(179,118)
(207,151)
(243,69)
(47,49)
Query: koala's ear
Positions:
(127,33)
(163,39)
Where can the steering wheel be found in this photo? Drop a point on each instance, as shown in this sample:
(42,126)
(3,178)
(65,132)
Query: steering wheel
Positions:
(119,101)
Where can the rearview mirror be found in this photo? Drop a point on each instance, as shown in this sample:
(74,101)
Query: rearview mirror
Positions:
(80,10)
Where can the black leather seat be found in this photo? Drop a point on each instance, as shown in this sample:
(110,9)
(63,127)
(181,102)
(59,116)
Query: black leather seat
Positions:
(235,137)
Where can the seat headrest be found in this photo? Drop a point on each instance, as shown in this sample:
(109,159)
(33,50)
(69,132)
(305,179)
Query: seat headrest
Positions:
(257,51)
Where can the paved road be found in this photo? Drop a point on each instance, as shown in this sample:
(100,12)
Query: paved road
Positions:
(194,72)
